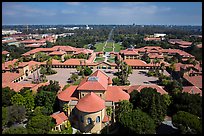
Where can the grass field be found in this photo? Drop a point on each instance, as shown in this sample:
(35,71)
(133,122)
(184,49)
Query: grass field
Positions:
(118,47)
(99,47)
(111,60)
(99,59)
(109,44)
(108,49)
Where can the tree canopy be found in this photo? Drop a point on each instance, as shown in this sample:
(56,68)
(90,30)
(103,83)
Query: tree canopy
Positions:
(134,121)
(187,123)
(16,130)
(151,102)
(7,93)
(191,103)
(40,124)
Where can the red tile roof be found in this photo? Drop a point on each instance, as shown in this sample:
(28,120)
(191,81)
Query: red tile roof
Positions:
(155,55)
(110,80)
(67,94)
(184,43)
(100,83)
(140,87)
(57,53)
(194,80)
(59,118)
(106,119)
(136,62)
(9,76)
(75,62)
(17,86)
(91,103)
(33,41)
(35,88)
(116,94)
(6,64)
(5,52)
(192,90)
(64,48)
(129,52)
(34,45)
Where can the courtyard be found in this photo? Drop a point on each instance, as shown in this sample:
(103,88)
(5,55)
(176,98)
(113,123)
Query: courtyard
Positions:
(138,77)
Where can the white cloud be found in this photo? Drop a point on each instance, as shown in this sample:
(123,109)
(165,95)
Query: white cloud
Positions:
(73,3)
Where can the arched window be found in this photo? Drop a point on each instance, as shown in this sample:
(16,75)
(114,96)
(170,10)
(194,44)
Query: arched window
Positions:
(97,119)
(89,120)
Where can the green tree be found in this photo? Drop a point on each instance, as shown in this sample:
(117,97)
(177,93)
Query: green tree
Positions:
(191,103)
(4,116)
(46,99)
(187,123)
(7,94)
(137,122)
(116,81)
(18,99)
(16,130)
(74,77)
(40,124)
(151,102)
(16,114)
(123,107)
(29,100)
(87,71)
(109,113)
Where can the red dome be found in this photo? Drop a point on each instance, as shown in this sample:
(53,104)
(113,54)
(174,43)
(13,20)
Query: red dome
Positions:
(90,103)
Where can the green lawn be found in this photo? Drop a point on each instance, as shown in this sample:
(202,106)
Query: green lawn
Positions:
(108,49)
(118,47)
(99,47)
(109,44)
(99,59)
(111,60)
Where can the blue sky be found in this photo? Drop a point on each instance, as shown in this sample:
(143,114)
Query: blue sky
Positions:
(166,13)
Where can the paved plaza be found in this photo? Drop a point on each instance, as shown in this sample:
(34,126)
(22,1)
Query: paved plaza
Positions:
(138,77)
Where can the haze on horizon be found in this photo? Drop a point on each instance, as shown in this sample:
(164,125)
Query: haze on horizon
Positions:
(117,13)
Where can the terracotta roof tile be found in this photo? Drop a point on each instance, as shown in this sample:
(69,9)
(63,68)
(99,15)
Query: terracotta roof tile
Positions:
(194,80)
(9,76)
(192,90)
(5,52)
(100,83)
(67,94)
(57,53)
(136,62)
(140,87)
(116,94)
(35,88)
(59,118)
(90,103)
(17,86)
(106,119)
